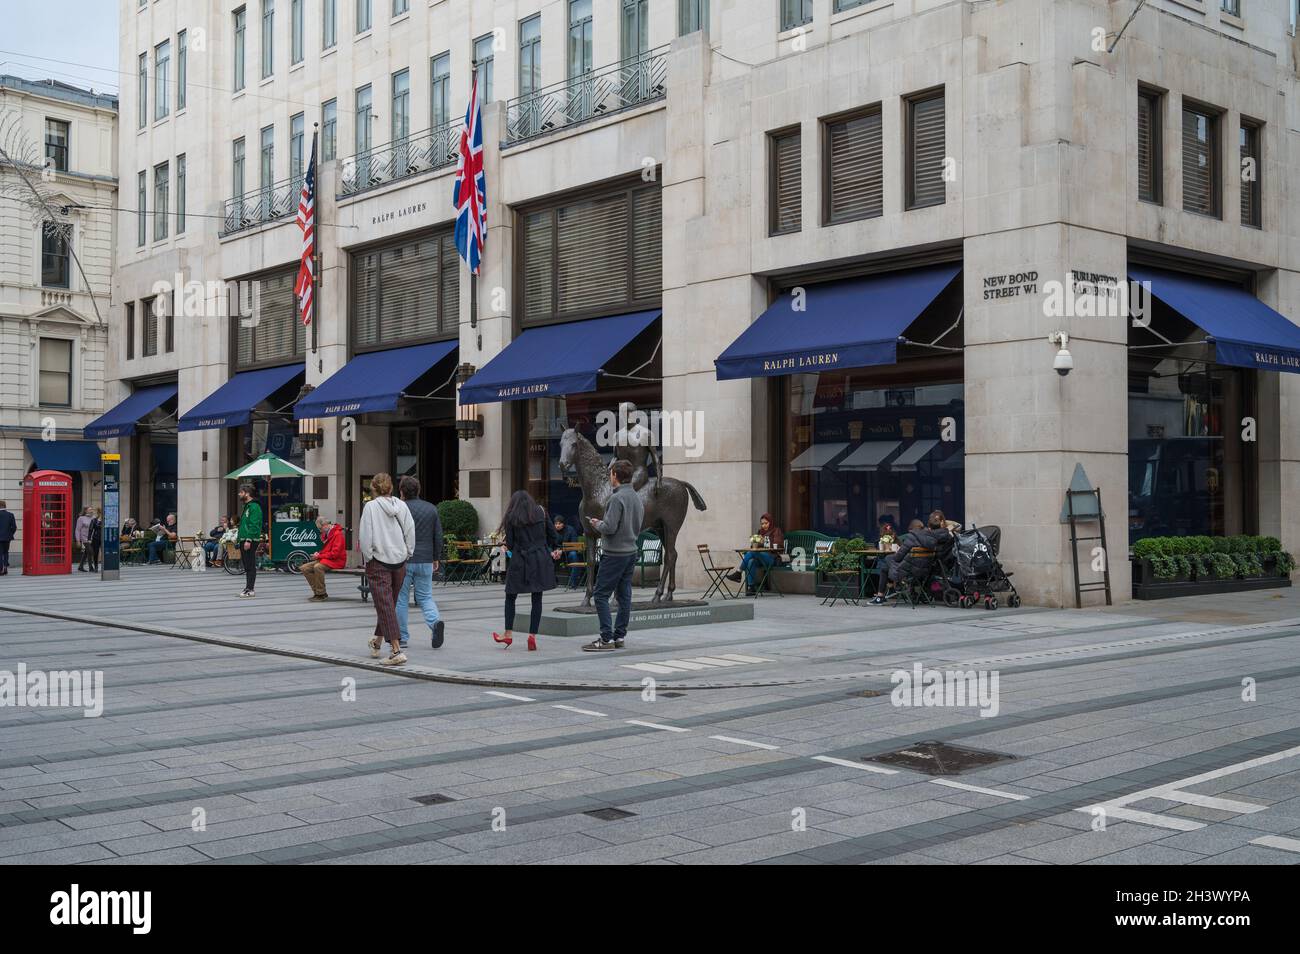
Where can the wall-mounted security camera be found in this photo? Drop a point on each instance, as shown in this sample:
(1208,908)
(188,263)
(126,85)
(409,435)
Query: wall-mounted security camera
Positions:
(1063,364)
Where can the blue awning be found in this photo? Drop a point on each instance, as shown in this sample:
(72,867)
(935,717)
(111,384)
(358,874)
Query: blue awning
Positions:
(231,405)
(121,421)
(1244,331)
(844,324)
(82,456)
(374,381)
(555,359)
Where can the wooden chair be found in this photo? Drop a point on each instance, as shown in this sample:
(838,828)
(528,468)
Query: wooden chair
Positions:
(718,574)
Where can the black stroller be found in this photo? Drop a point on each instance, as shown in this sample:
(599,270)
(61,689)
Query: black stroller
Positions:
(970,571)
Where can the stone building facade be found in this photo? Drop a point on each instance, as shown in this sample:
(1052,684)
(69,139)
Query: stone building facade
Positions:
(663,178)
(56,255)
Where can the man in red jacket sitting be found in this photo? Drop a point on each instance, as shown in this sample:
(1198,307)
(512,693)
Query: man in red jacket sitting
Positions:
(333,555)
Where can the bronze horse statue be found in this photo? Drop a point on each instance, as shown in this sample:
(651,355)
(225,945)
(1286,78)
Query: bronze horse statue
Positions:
(665,500)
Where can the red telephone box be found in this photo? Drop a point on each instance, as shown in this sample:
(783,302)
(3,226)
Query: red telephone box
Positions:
(47,523)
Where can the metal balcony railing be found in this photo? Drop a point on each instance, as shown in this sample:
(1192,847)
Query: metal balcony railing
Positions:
(276,201)
(423,152)
(603,92)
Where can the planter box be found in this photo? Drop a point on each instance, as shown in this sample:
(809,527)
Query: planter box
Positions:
(1147,587)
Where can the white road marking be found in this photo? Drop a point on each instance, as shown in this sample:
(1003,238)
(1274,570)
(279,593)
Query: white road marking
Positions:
(652,667)
(757,745)
(1213,801)
(975,788)
(590,712)
(741,657)
(506,695)
(1146,818)
(656,725)
(683,664)
(1173,791)
(715,661)
(857,765)
(1277,841)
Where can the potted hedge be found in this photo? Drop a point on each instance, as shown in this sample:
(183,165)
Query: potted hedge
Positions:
(1176,566)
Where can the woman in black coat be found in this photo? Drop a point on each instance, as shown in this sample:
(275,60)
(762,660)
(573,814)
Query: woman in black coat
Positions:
(534,547)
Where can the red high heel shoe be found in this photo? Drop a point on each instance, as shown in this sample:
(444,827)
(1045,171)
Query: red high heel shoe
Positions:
(502,639)
(532,643)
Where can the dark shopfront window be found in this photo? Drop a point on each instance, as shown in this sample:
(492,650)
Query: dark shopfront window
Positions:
(1189,471)
(163,479)
(863,443)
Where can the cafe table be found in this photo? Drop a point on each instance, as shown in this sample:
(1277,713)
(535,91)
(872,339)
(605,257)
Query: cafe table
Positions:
(872,565)
(764,571)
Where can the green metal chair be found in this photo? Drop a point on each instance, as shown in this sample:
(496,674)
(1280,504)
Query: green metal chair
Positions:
(649,552)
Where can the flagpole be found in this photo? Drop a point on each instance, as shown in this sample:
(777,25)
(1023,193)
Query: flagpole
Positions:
(315,271)
(473,275)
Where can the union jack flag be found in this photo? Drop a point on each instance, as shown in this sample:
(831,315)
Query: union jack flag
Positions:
(469,195)
(304,288)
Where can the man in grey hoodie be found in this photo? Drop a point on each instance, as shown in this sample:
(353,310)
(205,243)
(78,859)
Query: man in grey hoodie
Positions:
(624,514)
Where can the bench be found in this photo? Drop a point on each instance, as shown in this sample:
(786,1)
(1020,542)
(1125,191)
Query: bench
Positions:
(363,588)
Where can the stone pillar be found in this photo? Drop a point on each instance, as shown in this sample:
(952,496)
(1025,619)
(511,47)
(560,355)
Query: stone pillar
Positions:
(1026,426)
(710,297)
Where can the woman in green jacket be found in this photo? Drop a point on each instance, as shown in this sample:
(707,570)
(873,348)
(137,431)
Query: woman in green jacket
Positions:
(249,536)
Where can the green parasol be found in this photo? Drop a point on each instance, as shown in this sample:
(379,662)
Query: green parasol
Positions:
(267,466)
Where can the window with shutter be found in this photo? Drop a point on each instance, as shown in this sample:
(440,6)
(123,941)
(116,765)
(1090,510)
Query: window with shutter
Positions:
(1251,174)
(1200,172)
(925,155)
(647,245)
(539,264)
(1149,164)
(786,172)
(405,290)
(150,328)
(854,173)
(592,256)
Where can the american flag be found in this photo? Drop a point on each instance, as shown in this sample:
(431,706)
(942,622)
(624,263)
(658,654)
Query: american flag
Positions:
(469,195)
(304,288)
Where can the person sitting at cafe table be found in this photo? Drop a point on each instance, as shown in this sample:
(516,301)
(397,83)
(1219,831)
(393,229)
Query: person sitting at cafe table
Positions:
(889,537)
(333,555)
(933,536)
(752,564)
(571,556)
(164,534)
(213,543)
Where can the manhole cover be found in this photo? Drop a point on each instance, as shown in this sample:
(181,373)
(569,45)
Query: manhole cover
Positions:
(672,695)
(437,798)
(939,758)
(866,693)
(609,814)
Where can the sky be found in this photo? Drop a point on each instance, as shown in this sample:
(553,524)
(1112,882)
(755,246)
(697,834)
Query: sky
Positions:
(83,33)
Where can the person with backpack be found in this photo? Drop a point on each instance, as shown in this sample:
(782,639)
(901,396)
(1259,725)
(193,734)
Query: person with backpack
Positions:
(94,537)
(79,532)
(387,542)
(534,548)
(249,537)
(424,562)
